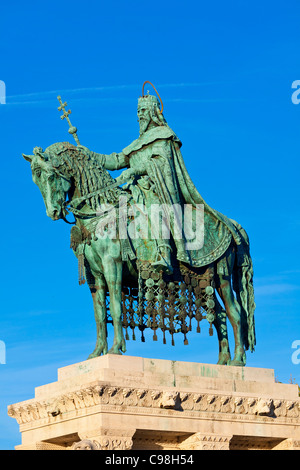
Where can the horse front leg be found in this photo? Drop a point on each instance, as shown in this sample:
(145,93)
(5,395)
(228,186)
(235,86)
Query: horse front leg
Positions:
(113,276)
(98,291)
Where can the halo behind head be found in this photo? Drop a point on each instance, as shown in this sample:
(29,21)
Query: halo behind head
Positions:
(150,98)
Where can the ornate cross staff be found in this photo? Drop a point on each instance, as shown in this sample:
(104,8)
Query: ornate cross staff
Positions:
(72,130)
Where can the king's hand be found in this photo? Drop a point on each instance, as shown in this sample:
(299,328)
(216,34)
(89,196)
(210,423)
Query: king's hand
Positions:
(127,174)
(82,147)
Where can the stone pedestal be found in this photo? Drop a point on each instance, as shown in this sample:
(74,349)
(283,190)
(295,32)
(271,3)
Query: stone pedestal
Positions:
(122,402)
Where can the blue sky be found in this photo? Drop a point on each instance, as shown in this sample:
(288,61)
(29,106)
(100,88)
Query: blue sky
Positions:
(224,71)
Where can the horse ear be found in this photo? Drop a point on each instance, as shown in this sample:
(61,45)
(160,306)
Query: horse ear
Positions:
(40,153)
(28,158)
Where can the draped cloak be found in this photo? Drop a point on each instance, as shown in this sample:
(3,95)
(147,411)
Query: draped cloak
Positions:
(159,151)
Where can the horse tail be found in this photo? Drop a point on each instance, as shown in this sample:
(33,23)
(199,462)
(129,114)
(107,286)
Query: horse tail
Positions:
(242,281)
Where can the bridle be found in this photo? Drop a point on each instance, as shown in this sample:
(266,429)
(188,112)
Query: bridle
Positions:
(69,205)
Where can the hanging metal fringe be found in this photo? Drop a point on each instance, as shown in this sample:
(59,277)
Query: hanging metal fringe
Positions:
(168,303)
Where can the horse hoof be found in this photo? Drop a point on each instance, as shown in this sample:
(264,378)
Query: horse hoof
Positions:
(239,358)
(114,351)
(92,356)
(97,353)
(236,362)
(224,360)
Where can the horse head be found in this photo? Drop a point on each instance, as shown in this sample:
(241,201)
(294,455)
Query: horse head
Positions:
(48,173)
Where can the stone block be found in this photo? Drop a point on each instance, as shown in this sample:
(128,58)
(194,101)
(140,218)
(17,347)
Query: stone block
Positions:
(123,402)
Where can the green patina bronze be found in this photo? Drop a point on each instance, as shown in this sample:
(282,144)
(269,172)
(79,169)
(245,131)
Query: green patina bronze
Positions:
(151,280)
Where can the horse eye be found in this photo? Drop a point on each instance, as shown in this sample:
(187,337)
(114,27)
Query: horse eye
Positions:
(38,173)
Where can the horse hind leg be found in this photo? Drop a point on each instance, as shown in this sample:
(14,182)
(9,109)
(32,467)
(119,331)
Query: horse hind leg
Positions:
(233,311)
(220,324)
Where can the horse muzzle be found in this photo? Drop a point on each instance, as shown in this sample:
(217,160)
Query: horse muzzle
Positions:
(54,214)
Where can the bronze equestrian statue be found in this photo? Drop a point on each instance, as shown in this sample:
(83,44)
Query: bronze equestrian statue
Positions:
(147,240)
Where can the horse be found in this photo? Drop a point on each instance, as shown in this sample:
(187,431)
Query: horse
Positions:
(70,180)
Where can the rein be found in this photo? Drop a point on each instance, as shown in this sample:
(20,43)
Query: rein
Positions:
(69,205)
(65,220)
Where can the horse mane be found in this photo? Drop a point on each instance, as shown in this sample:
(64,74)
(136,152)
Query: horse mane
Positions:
(87,171)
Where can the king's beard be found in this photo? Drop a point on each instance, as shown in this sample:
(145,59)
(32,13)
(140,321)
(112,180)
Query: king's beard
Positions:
(144,124)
